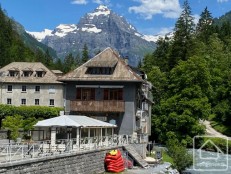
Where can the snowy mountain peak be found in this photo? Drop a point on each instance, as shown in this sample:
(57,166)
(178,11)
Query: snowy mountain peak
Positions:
(101,10)
(40,35)
(63,29)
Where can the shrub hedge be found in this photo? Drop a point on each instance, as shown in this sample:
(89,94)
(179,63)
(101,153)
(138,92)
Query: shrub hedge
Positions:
(29,111)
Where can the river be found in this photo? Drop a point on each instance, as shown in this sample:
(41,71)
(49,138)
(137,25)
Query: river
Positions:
(210,163)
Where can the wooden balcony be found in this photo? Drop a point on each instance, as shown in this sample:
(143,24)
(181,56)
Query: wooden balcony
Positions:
(97,106)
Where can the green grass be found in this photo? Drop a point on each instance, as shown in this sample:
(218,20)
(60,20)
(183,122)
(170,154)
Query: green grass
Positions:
(166,157)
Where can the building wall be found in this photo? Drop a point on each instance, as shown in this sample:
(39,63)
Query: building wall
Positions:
(44,95)
(125,121)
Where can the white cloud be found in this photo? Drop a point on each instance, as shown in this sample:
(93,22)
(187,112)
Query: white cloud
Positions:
(165,30)
(196,18)
(148,8)
(222,1)
(97,1)
(84,2)
(104,2)
(156,31)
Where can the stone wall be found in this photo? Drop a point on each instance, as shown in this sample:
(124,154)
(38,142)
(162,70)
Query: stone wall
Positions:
(91,162)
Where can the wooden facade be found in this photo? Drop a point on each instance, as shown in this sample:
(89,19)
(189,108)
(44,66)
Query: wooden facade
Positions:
(97,106)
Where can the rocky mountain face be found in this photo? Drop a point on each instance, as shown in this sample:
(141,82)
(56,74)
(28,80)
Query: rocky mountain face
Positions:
(98,30)
(30,41)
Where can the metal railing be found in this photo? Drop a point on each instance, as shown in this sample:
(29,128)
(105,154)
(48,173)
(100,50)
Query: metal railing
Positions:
(24,151)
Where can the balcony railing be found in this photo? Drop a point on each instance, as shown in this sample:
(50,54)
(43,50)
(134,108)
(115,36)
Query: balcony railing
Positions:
(97,106)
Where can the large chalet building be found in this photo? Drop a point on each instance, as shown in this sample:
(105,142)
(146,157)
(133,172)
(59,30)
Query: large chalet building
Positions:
(106,88)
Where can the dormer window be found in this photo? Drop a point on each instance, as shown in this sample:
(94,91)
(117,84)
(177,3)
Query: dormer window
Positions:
(27,72)
(101,67)
(100,70)
(40,73)
(13,73)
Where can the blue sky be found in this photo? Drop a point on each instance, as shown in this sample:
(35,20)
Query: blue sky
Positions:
(148,16)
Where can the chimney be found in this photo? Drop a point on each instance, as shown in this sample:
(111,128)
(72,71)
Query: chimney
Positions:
(126,60)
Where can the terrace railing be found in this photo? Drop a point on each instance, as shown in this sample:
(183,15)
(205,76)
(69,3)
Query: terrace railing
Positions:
(24,151)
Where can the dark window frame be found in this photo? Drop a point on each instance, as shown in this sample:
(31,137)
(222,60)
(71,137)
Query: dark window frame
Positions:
(24,88)
(9,88)
(36,101)
(9,101)
(85,93)
(23,101)
(37,88)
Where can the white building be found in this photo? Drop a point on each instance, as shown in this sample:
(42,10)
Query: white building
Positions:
(30,83)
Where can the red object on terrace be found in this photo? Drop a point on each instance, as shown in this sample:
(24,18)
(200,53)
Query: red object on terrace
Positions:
(114,161)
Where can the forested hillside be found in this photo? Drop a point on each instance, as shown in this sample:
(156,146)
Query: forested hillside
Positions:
(191,77)
(16,46)
(12,47)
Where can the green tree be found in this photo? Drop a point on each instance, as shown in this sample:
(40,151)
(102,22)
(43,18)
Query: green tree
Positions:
(48,60)
(182,39)
(186,100)
(160,55)
(180,155)
(85,55)
(13,123)
(78,60)
(69,63)
(204,26)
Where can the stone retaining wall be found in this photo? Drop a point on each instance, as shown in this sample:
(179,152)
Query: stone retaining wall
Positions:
(91,162)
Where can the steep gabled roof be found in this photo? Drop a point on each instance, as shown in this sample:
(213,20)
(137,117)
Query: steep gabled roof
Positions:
(107,58)
(34,67)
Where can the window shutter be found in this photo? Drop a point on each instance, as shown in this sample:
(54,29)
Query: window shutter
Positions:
(105,94)
(92,93)
(120,94)
(78,93)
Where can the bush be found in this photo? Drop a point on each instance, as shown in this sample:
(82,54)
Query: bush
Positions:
(180,155)
(29,111)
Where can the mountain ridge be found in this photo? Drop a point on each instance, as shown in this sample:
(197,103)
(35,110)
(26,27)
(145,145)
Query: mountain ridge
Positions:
(99,29)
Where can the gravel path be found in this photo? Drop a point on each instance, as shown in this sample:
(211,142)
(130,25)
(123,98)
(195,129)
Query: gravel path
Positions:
(212,132)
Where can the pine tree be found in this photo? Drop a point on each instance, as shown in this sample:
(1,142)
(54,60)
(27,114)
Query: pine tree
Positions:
(204,27)
(48,59)
(69,63)
(85,55)
(182,40)
(78,60)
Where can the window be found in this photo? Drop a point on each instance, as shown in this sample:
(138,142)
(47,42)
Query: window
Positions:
(52,102)
(9,88)
(13,73)
(85,94)
(27,73)
(23,88)
(51,89)
(9,101)
(23,101)
(37,88)
(113,94)
(40,73)
(36,101)
(100,70)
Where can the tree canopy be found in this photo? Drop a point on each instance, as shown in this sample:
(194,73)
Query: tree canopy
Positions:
(191,75)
